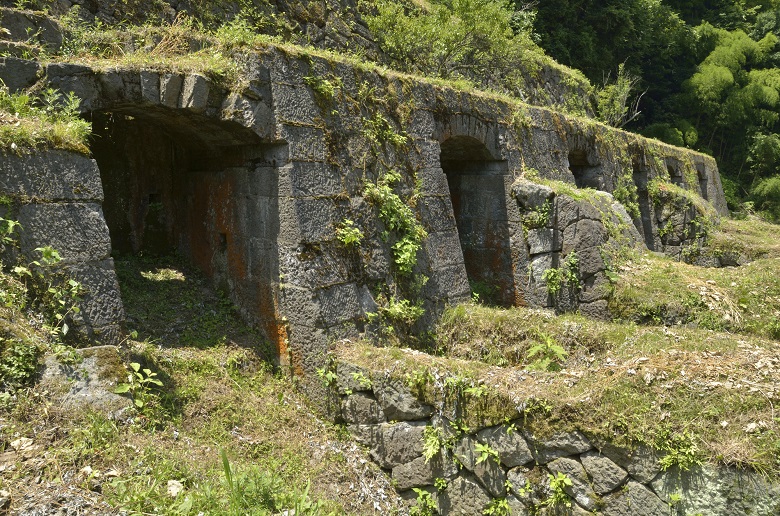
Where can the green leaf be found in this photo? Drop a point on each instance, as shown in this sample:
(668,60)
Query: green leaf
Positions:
(122,388)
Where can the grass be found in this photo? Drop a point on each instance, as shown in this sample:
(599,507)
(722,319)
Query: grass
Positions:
(744,300)
(27,122)
(220,394)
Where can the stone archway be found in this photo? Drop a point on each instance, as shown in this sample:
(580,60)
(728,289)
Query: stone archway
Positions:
(478,190)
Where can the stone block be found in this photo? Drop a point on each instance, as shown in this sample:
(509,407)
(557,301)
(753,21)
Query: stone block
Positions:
(51,175)
(542,240)
(102,312)
(170,88)
(18,74)
(485,469)
(307,219)
(510,445)
(530,195)
(295,104)
(361,409)
(436,214)
(396,444)
(419,472)
(634,500)
(339,304)
(539,264)
(299,305)
(28,26)
(443,249)
(605,475)
(449,284)
(719,490)
(398,403)
(558,445)
(348,375)
(195,93)
(78,79)
(642,463)
(305,143)
(309,179)
(579,489)
(427,155)
(150,86)
(77,230)
(463,497)
(590,261)
(584,234)
(88,383)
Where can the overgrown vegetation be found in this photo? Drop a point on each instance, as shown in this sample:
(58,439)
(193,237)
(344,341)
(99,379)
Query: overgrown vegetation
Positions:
(51,119)
(218,431)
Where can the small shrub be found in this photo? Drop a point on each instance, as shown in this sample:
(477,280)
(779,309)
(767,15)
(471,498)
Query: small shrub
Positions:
(348,234)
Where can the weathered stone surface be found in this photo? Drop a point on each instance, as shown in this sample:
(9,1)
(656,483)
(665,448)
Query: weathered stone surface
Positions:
(542,240)
(463,497)
(352,378)
(25,26)
(485,468)
(523,489)
(420,472)
(170,88)
(396,444)
(88,383)
(605,474)
(51,175)
(195,93)
(641,462)
(634,500)
(102,313)
(709,490)
(18,74)
(531,195)
(77,230)
(511,447)
(361,409)
(579,489)
(559,445)
(398,402)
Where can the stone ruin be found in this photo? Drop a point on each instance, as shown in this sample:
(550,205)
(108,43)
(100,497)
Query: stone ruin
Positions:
(252,185)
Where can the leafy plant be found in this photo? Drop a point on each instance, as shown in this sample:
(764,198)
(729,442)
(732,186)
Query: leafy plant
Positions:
(567,275)
(139,385)
(328,376)
(424,505)
(348,234)
(486,452)
(498,507)
(432,442)
(362,379)
(548,355)
(399,217)
(681,450)
(558,496)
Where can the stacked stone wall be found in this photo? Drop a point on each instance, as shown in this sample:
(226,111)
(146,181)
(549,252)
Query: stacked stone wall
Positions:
(479,460)
(56,197)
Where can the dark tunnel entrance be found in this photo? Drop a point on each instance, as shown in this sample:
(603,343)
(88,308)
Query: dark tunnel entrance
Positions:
(478,189)
(203,189)
(585,174)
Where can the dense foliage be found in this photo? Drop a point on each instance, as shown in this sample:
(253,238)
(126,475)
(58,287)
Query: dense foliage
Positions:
(708,70)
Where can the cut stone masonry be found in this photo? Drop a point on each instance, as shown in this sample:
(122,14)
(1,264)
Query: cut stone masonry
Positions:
(252,185)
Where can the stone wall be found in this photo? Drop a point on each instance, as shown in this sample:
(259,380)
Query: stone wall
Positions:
(56,196)
(490,456)
(253,186)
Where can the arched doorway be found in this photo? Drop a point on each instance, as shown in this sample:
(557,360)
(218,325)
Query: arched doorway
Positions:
(478,189)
